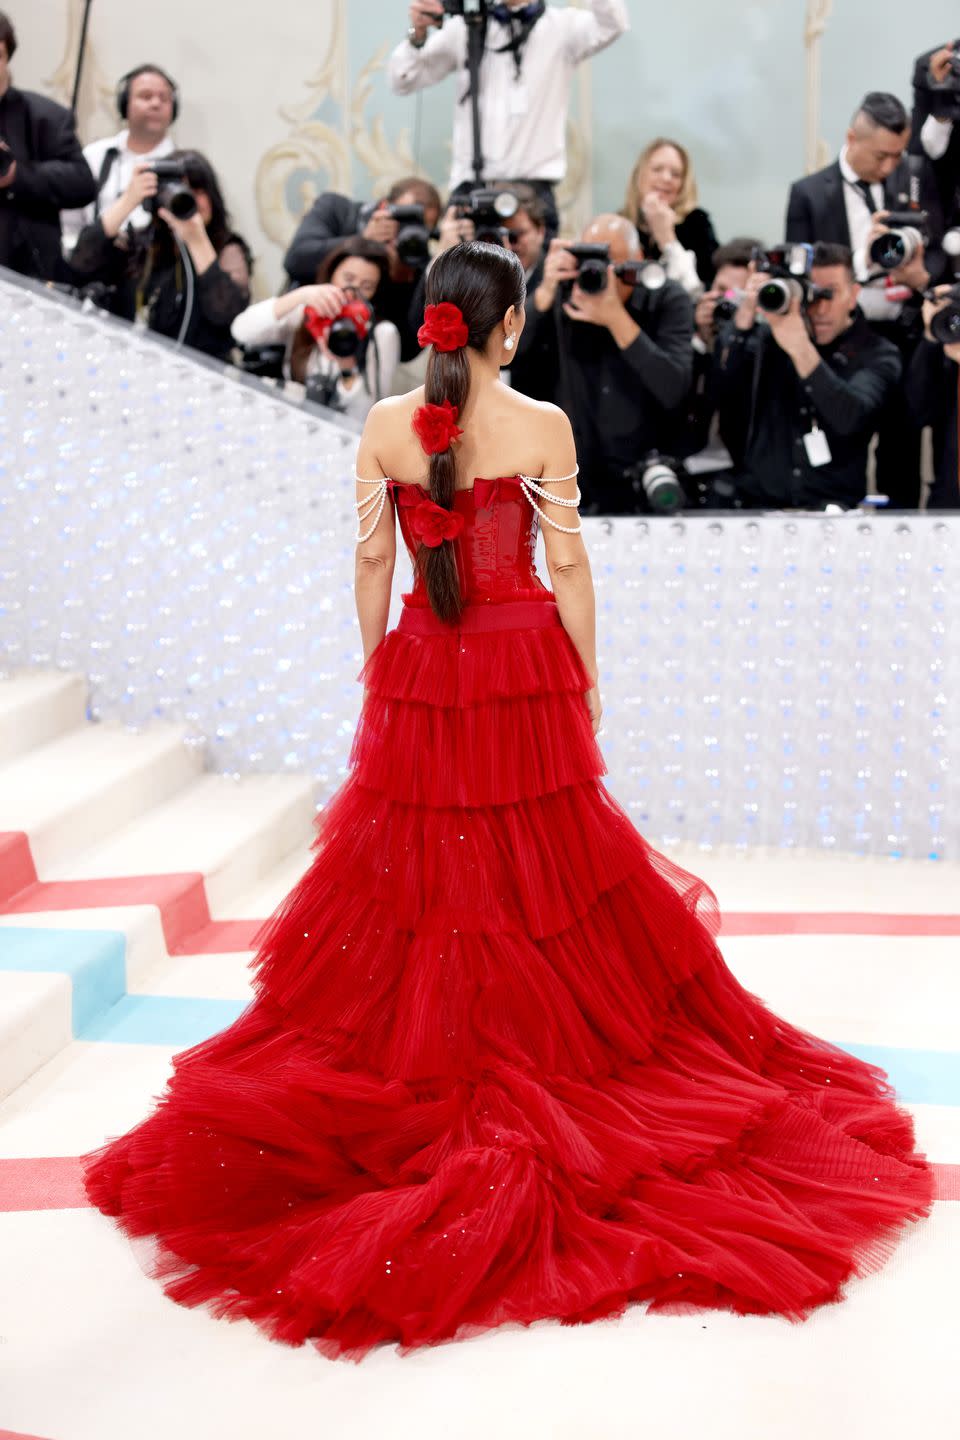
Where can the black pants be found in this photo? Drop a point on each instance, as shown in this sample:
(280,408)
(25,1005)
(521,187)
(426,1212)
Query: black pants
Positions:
(898,435)
(545,190)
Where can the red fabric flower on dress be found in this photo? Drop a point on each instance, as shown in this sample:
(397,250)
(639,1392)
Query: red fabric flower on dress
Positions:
(443,327)
(433,524)
(435,426)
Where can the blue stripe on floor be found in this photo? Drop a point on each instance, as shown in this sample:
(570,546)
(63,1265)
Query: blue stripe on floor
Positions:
(921,1077)
(178,1020)
(95,961)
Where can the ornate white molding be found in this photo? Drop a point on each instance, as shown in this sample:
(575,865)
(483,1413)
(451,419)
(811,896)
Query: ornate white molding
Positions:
(816,150)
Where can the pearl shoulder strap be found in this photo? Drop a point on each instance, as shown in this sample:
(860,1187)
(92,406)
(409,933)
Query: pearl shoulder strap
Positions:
(532,486)
(370,505)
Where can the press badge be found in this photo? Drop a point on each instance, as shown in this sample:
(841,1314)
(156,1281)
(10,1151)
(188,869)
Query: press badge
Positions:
(817,447)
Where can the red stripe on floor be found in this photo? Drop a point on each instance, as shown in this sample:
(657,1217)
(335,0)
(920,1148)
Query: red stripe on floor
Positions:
(17,869)
(181,900)
(835,922)
(18,1435)
(55,1184)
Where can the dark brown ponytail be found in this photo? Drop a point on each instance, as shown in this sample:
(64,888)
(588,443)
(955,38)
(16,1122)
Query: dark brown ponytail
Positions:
(483,281)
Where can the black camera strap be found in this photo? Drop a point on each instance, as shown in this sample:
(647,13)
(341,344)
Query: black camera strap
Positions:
(110,157)
(521,28)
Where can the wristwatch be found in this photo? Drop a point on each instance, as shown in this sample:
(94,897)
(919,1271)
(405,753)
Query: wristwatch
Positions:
(412,37)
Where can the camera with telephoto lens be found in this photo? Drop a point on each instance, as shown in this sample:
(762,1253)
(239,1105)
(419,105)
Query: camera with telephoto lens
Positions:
(945,323)
(173,194)
(413,237)
(788,267)
(593,263)
(488,209)
(656,477)
(904,238)
(344,333)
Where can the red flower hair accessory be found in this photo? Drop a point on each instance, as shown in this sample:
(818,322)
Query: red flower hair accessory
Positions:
(443,327)
(435,426)
(433,524)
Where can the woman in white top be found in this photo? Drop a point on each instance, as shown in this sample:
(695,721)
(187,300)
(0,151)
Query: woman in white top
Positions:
(355,270)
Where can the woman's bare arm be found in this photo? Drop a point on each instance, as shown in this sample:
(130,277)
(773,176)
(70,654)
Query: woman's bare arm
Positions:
(377,553)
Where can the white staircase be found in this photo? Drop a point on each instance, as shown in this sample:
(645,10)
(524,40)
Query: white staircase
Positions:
(99,804)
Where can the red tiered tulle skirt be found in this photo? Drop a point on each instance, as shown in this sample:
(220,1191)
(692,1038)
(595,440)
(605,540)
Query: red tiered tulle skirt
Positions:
(495,1068)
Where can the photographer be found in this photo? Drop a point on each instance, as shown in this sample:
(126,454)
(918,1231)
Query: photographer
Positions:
(936,109)
(188,274)
(529,54)
(42,170)
(800,395)
(701,444)
(933,383)
(848,203)
(333,218)
(620,357)
(147,100)
(348,360)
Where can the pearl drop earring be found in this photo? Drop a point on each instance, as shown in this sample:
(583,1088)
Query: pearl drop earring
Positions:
(509,343)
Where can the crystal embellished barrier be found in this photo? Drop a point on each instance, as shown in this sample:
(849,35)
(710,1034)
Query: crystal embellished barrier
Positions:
(186,539)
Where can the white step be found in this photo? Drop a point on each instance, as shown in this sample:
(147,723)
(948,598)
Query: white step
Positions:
(145,945)
(73,791)
(261,899)
(231,831)
(35,1023)
(38,705)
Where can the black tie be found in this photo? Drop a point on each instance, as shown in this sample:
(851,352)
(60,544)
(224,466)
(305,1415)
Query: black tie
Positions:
(867,194)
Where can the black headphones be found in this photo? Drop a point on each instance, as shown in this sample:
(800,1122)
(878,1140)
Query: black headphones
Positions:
(125,81)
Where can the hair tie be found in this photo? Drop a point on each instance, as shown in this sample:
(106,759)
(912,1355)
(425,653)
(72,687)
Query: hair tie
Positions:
(435,426)
(443,327)
(432,524)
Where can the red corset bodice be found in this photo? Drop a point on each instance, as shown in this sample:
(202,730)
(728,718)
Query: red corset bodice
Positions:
(494,550)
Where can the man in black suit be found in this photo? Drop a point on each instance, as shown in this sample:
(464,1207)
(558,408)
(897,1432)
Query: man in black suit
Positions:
(845,204)
(42,171)
(935,126)
(801,394)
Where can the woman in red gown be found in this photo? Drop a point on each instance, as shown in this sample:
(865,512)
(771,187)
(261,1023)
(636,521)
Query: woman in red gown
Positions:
(495,1068)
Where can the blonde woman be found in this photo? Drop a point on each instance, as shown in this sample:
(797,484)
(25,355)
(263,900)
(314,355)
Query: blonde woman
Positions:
(661,201)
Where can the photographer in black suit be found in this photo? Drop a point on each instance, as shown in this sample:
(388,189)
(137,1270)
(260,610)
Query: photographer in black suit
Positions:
(620,358)
(846,203)
(935,131)
(801,393)
(42,171)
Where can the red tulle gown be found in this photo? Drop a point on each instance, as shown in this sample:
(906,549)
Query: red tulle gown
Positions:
(496,1069)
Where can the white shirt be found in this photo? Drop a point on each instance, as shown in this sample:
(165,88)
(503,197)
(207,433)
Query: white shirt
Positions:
(121,171)
(873,301)
(258,325)
(522,121)
(935,136)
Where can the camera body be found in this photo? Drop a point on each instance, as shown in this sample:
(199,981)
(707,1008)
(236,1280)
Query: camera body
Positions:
(471,11)
(727,306)
(593,263)
(488,209)
(908,233)
(657,478)
(788,267)
(945,103)
(345,333)
(173,194)
(413,237)
(945,324)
